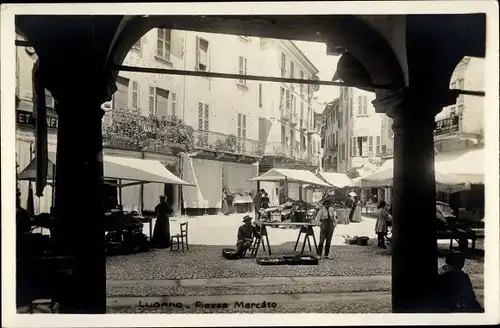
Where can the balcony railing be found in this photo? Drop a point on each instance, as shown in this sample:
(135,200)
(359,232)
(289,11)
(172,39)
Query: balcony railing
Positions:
(447,125)
(287,151)
(285,114)
(227,143)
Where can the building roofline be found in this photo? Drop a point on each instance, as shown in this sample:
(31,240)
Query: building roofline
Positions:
(329,106)
(316,70)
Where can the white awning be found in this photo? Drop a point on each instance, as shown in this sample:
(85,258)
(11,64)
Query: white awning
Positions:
(292,176)
(339,180)
(127,169)
(142,170)
(467,164)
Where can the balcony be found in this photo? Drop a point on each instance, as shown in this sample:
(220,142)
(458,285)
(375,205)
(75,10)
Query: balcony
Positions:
(304,125)
(214,141)
(278,149)
(285,114)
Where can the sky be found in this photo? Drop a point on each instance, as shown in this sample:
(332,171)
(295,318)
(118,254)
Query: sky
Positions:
(316,52)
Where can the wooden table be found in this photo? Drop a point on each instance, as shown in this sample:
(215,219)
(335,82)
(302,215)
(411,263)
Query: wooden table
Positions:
(306,228)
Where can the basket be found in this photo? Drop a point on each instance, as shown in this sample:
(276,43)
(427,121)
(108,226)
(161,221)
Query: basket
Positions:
(229,254)
(271,261)
(363,241)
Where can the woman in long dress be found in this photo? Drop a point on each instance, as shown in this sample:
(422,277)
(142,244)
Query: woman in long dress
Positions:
(161,234)
(381,224)
(225,203)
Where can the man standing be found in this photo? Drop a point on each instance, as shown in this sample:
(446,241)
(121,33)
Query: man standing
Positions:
(246,233)
(327,222)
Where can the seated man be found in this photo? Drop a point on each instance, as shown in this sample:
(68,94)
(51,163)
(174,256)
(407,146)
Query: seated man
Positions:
(246,233)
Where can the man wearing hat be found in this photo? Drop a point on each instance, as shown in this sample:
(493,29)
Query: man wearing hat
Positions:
(246,233)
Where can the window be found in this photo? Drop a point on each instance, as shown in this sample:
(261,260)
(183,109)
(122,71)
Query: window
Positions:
(349,104)
(203,117)
(370,145)
(288,100)
(202,54)
(260,96)
(282,97)
(135,95)
(360,105)
(158,101)
(336,138)
(137,45)
(283,134)
(377,149)
(356,146)
(365,105)
(49,100)
(301,114)
(301,85)
(294,108)
(353,143)
(302,142)
(452,110)
(364,146)
(460,109)
(283,65)
(242,130)
(174,104)
(340,116)
(120,98)
(163,44)
(242,70)
(292,69)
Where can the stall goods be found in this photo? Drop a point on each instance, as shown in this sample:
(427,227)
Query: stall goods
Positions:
(271,261)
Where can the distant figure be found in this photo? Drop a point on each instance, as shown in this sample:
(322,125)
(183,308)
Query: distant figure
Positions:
(381,224)
(327,223)
(455,286)
(246,233)
(257,202)
(225,203)
(161,234)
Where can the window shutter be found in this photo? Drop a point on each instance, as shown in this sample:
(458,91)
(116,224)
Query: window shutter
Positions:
(200,116)
(360,105)
(152,100)
(160,42)
(167,42)
(49,100)
(197,52)
(135,95)
(378,145)
(244,126)
(174,104)
(370,144)
(207,118)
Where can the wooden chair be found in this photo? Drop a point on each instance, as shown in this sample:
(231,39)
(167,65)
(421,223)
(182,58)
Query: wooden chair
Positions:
(180,238)
(254,249)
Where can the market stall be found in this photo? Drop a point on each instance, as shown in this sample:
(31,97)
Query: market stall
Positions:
(120,172)
(301,177)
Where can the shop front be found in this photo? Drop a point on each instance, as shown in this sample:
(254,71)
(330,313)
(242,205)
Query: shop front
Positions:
(212,172)
(25,152)
(146,197)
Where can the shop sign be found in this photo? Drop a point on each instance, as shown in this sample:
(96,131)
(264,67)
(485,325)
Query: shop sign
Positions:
(116,142)
(27,118)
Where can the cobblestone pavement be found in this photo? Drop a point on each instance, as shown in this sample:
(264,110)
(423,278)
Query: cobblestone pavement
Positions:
(205,261)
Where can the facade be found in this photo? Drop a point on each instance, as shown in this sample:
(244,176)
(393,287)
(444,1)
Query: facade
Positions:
(237,123)
(286,114)
(352,133)
(459,128)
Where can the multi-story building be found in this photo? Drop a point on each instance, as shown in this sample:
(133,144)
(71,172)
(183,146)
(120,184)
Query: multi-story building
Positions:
(352,133)
(459,134)
(236,122)
(286,122)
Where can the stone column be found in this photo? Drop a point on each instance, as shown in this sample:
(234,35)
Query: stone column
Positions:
(79,208)
(414,249)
